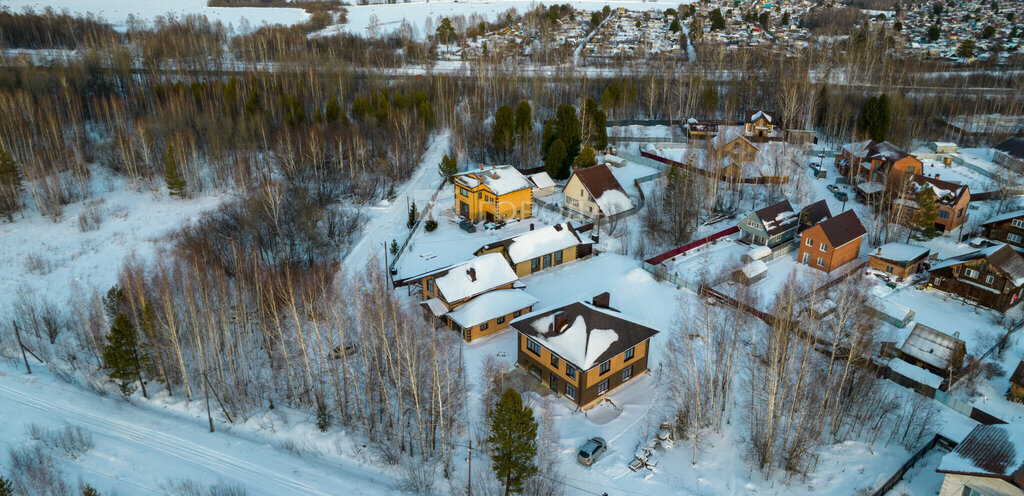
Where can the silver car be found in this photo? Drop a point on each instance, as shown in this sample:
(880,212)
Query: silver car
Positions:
(590,451)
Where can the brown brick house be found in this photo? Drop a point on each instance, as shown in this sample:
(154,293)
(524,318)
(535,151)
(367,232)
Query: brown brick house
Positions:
(539,249)
(1006,228)
(951,201)
(883,163)
(583,351)
(832,243)
(898,259)
(992,277)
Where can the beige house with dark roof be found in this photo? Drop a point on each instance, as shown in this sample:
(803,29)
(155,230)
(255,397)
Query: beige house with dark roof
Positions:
(594,192)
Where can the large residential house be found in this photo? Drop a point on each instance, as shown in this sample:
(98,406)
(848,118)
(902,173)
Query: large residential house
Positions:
(770,226)
(988,462)
(898,260)
(1006,228)
(594,192)
(583,351)
(883,163)
(736,148)
(761,125)
(992,277)
(951,200)
(832,243)
(1010,154)
(493,193)
(477,298)
(539,249)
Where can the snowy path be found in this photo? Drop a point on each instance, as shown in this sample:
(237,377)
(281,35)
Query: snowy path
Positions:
(388,222)
(146,451)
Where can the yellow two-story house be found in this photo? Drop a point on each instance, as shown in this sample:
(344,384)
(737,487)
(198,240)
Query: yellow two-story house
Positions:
(495,192)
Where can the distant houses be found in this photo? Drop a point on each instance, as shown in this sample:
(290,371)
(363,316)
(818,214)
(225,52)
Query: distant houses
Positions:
(883,163)
(492,193)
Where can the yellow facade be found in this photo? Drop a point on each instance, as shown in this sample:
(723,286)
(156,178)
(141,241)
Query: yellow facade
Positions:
(527,267)
(480,203)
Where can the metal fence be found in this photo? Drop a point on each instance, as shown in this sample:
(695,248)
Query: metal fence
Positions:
(936,440)
(424,215)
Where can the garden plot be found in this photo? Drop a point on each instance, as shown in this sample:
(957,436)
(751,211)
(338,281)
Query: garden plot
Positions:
(780,271)
(710,262)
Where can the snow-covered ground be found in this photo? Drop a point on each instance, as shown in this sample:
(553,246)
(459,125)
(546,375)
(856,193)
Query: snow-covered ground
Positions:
(117,11)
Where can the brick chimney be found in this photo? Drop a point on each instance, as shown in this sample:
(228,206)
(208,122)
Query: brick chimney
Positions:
(481,166)
(558,227)
(561,320)
(879,250)
(472,274)
(602,300)
(531,226)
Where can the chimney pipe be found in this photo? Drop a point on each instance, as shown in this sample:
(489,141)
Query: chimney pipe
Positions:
(531,226)
(472,274)
(561,320)
(602,300)
(481,166)
(879,250)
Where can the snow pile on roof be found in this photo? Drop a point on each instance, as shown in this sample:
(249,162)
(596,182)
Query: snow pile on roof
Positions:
(613,201)
(900,252)
(542,242)
(500,179)
(915,373)
(1006,216)
(754,269)
(575,344)
(871,187)
(989,450)
(932,347)
(491,305)
(759,252)
(436,306)
(857,149)
(488,272)
(468,181)
(542,180)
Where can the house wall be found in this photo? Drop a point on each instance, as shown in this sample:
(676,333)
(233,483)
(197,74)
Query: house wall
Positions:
(525,268)
(584,202)
(954,484)
(493,326)
(997,295)
(481,201)
(903,167)
(900,270)
(957,213)
(542,362)
(1001,231)
(834,257)
(738,150)
(1008,161)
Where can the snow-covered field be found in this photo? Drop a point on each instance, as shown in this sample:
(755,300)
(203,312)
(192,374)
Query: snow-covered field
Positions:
(117,11)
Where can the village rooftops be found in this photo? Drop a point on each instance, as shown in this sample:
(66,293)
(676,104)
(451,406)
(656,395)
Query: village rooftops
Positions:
(583,334)
(500,179)
(491,305)
(479,275)
(933,347)
(899,252)
(995,451)
(533,244)
(1004,217)
(1000,256)
(606,190)
(945,192)
(777,218)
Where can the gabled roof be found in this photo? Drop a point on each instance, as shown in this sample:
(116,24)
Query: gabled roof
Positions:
(500,179)
(869,150)
(491,305)
(1017,378)
(1001,256)
(542,180)
(899,252)
(933,347)
(606,190)
(995,451)
(946,193)
(1013,147)
(733,134)
(842,228)
(815,213)
(542,241)
(1003,217)
(476,276)
(777,218)
(590,336)
(751,116)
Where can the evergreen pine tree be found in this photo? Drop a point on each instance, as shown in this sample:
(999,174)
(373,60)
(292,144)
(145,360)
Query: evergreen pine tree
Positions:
(124,357)
(524,121)
(333,110)
(448,168)
(323,416)
(413,215)
(252,104)
(503,131)
(586,157)
(172,176)
(883,119)
(88,490)
(6,487)
(513,442)
(10,186)
(553,162)
(924,217)
(570,131)
(394,247)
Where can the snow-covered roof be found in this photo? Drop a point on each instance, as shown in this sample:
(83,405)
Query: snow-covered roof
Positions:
(613,201)
(871,187)
(933,347)
(777,218)
(490,306)
(436,306)
(758,252)
(614,160)
(1001,256)
(754,269)
(537,243)
(587,335)
(476,276)
(542,180)
(916,373)
(1003,217)
(500,179)
(995,451)
(899,252)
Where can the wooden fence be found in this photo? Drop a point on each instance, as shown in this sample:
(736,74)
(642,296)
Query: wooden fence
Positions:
(937,440)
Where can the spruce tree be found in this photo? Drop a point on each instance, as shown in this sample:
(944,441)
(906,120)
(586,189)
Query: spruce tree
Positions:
(586,157)
(503,131)
(448,168)
(570,131)
(252,104)
(553,162)
(6,487)
(124,357)
(513,442)
(88,490)
(924,217)
(172,175)
(524,121)
(333,110)
(413,215)
(10,186)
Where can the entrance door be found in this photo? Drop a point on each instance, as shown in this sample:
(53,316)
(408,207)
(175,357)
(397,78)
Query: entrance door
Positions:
(554,382)
(489,217)
(547,260)
(464,209)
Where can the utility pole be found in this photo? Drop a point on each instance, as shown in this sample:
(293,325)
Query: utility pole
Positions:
(17,334)
(469,482)
(206,390)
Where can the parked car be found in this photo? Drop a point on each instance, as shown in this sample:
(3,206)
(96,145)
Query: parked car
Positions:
(833,188)
(467,225)
(591,450)
(841,196)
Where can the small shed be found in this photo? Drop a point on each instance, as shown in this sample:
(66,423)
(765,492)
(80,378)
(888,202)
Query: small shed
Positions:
(933,350)
(943,147)
(543,185)
(891,313)
(751,273)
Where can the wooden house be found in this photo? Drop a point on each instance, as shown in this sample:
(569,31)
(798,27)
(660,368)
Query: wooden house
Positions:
(1006,228)
(699,130)
(832,243)
(477,298)
(540,249)
(583,351)
(736,147)
(813,214)
(761,125)
(898,259)
(883,163)
(988,462)
(992,277)
(493,193)
(933,350)
(951,201)
(1016,391)
(770,226)
(594,192)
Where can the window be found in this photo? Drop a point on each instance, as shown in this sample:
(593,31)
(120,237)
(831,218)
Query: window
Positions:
(1017,223)
(547,261)
(1013,238)
(944,214)
(602,387)
(989,279)
(590,209)
(888,269)
(479,195)
(558,257)
(821,262)
(570,392)
(463,192)
(570,370)
(430,285)
(483,327)
(554,382)
(554,361)
(630,352)
(970,491)
(751,223)
(807,258)
(582,192)
(533,346)
(809,242)
(959,213)
(501,320)
(973,274)
(590,197)
(938,281)
(517,313)
(606,366)
(823,247)
(535,264)
(627,373)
